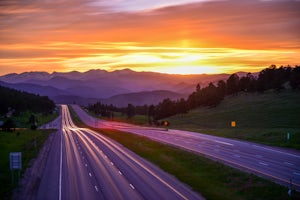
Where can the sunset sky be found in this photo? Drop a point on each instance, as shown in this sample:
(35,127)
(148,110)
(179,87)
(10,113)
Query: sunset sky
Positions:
(170,36)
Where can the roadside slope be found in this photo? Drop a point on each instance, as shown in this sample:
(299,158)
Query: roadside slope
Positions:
(265,118)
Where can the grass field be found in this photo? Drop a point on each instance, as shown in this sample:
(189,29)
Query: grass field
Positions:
(118,117)
(18,141)
(212,179)
(265,118)
(24,140)
(22,119)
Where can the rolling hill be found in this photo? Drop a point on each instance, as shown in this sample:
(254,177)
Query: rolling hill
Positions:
(142,98)
(260,117)
(249,110)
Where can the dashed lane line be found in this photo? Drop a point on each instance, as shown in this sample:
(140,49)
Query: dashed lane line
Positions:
(131,186)
(226,143)
(296,173)
(262,163)
(287,163)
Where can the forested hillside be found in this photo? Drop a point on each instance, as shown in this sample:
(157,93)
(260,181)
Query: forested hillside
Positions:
(15,101)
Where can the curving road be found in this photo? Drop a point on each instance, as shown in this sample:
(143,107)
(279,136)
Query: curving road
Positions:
(278,164)
(83,164)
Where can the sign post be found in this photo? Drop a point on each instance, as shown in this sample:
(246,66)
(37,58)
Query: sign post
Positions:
(166,124)
(15,161)
(288,136)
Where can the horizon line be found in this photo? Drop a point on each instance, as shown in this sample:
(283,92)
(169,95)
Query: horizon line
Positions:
(128,69)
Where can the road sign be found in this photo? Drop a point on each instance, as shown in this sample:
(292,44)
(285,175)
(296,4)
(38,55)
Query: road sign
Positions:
(15,160)
(233,123)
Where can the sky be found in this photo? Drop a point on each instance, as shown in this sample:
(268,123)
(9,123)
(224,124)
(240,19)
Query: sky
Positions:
(168,36)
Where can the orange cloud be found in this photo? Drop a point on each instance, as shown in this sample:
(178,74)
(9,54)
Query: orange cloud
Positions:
(212,36)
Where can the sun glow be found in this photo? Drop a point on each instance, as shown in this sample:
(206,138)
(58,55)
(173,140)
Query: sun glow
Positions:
(187,37)
(189,70)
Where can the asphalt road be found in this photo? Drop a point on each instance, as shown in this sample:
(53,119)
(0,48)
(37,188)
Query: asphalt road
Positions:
(84,164)
(278,164)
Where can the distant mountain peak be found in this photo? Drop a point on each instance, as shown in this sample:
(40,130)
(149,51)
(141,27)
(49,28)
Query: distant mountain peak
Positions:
(124,71)
(25,76)
(95,70)
(60,73)
(35,72)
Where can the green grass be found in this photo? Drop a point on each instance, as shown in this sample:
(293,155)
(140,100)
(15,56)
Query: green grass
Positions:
(119,117)
(212,179)
(264,118)
(136,119)
(18,141)
(22,119)
(21,140)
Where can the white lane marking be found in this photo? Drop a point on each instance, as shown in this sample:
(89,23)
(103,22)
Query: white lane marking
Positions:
(120,172)
(60,167)
(287,163)
(96,188)
(85,164)
(111,163)
(90,174)
(237,156)
(262,163)
(290,154)
(296,173)
(139,163)
(226,143)
(131,186)
(105,156)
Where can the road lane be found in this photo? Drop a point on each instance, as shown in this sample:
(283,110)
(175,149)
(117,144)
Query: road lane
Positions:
(95,181)
(142,177)
(88,165)
(278,164)
(48,189)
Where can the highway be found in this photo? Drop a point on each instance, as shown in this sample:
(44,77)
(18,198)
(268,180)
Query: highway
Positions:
(84,164)
(278,164)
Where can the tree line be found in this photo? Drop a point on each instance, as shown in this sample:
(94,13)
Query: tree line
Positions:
(271,78)
(15,101)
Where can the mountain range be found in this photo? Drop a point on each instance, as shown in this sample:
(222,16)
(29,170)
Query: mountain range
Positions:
(119,87)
